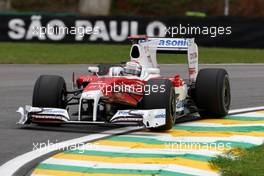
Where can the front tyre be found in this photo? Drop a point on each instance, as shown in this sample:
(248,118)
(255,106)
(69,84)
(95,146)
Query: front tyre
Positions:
(164,98)
(50,91)
(212,93)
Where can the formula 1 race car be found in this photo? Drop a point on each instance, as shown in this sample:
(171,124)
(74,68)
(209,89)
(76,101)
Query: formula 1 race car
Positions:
(133,93)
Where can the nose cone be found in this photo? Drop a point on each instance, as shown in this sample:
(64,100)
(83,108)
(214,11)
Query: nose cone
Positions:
(92,95)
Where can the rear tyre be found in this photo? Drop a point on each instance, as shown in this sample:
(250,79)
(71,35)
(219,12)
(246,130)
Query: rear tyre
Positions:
(212,93)
(163,98)
(50,91)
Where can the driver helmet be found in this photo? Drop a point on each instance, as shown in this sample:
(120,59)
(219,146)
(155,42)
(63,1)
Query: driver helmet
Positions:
(132,68)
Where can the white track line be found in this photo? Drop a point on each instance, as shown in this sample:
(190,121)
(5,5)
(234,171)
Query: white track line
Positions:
(9,168)
(254,114)
(224,64)
(13,165)
(244,110)
(205,124)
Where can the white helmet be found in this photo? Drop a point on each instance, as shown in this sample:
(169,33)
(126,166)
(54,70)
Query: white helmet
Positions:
(132,68)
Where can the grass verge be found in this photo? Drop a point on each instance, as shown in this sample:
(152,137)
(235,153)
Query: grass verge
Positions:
(39,53)
(248,162)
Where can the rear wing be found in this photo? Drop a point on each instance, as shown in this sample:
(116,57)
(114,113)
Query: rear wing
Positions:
(176,45)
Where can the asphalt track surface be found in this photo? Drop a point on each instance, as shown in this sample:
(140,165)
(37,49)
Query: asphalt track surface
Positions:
(16,86)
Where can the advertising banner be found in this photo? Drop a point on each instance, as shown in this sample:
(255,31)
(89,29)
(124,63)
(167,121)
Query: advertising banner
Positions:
(207,31)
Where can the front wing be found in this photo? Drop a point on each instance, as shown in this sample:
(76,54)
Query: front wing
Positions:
(151,118)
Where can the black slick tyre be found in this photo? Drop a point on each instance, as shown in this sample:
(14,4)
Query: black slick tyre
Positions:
(49,91)
(212,93)
(164,98)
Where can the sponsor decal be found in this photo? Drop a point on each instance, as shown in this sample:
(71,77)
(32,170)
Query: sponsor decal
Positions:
(179,104)
(192,71)
(193,55)
(127,119)
(169,42)
(178,42)
(162,115)
(123,113)
(46,117)
(54,111)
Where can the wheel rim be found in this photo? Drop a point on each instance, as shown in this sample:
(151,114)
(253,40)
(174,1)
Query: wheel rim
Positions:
(63,97)
(173,105)
(226,93)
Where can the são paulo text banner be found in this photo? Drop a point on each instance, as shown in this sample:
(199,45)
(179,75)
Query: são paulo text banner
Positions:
(209,31)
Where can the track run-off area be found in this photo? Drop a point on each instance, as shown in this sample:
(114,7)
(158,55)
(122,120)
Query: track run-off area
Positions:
(185,150)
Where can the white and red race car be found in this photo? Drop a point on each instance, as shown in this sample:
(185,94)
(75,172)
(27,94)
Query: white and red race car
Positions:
(133,93)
